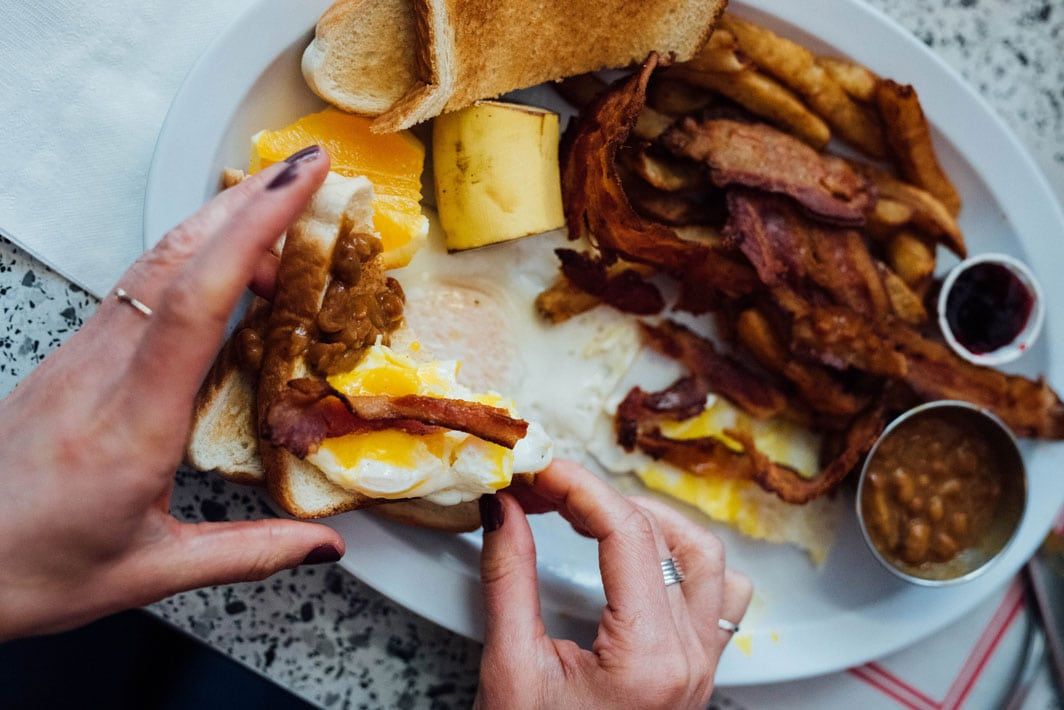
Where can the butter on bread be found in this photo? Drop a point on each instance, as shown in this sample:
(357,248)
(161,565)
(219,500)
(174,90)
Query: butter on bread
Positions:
(407,61)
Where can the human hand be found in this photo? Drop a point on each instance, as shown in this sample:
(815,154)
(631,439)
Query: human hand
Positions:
(657,646)
(92,438)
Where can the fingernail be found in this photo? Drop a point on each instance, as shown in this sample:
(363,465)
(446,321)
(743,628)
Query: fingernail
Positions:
(304,156)
(285,177)
(322,554)
(490,513)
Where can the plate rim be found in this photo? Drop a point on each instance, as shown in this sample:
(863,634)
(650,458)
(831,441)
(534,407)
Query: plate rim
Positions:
(456,606)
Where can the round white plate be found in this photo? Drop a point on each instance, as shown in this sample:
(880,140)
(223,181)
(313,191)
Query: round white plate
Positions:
(804,621)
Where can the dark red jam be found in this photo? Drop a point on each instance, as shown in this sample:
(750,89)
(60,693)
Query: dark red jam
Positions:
(988,307)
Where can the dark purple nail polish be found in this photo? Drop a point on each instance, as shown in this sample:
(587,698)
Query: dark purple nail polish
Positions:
(304,156)
(285,177)
(322,554)
(490,513)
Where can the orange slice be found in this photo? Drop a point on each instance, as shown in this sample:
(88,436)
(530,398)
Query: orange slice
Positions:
(392,161)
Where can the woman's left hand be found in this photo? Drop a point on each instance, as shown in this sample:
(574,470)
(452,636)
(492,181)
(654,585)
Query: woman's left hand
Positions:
(91,439)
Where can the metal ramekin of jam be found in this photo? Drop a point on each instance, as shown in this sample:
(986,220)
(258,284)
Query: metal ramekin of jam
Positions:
(991,309)
(941,493)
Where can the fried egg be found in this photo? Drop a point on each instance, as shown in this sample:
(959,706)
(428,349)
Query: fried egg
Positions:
(447,467)
(740,504)
(471,332)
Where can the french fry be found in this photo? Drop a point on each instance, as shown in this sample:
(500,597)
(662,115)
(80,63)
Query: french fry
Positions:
(720,54)
(889,215)
(909,137)
(904,301)
(912,258)
(667,174)
(676,98)
(855,79)
(651,124)
(702,233)
(757,335)
(796,67)
(928,214)
(765,97)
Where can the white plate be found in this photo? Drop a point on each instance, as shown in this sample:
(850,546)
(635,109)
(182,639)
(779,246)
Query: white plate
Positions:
(804,621)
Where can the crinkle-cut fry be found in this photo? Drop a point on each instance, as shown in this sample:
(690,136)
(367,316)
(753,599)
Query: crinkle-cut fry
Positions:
(855,79)
(720,54)
(912,258)
(796,67)
(764,97)
(909,137)
(676,98)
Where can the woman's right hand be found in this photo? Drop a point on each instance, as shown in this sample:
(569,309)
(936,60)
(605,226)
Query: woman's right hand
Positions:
(657,646)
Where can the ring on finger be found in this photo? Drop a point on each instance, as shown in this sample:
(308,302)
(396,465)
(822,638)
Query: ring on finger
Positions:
(671,571)
(139,306)
(730,626)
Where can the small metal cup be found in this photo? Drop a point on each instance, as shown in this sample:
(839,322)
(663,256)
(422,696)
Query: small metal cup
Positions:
(973,561)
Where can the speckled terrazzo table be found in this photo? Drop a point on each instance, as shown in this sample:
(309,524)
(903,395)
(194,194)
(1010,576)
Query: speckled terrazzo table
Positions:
(330,638)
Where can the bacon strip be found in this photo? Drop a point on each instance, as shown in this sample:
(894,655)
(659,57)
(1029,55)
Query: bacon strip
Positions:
(626,291)
(786,247)
(759,156)
(308,411)
(596,206)
(481,420)
(841,338)
(709,456)
(721,374)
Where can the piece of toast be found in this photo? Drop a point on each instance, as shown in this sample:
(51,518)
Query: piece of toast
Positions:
(362,58)
(469,50)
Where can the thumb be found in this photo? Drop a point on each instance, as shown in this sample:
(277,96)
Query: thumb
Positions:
(204,554)
(508,574)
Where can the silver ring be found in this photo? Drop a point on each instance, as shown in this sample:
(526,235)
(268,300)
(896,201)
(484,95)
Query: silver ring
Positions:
(725,625)
(139,306)
(671,571)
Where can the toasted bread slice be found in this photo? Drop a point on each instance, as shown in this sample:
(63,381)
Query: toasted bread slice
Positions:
(478,49)
(224,435)
(464,517)
(362,58)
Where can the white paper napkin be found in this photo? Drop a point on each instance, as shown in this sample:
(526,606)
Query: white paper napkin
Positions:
(84,89)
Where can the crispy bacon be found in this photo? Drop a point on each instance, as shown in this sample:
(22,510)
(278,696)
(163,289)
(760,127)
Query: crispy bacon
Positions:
(309,411)
(721,374)
(841,338)
(759,156)
(481,420)
(786,247)
(683,399)
(626,291)
(597,207)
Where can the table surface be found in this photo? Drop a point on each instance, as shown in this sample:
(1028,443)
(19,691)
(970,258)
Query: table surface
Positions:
(326,635)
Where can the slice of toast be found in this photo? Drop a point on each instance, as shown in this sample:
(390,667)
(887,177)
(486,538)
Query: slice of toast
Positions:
(362,59)
(478,49)
(224,435)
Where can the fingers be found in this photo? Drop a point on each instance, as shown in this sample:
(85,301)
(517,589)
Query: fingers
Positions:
(701,555)
(638,610)
(738,590)
(264,280)
(183,335)
(203,554)
(508,576)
